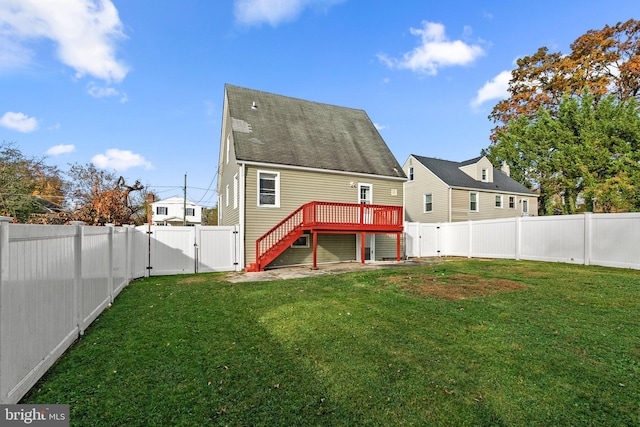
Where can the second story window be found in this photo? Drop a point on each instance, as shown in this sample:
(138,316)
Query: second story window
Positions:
(162,210)
(268,189)
(191,212)
(485,175)
(410,173)
(428,202)
(473,202)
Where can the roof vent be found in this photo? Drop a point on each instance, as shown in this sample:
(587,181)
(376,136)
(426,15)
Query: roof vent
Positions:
(254,106)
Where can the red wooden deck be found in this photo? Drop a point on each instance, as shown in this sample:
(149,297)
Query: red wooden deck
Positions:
(328,218)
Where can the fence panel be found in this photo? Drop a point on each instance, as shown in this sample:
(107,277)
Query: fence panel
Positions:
(96,276)
(493,238)
(217,248)
(553,238)
(37,305)
(454,239)
(614,240)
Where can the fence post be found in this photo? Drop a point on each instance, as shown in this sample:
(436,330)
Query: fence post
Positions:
(4,278)
(110,246)
(587,238)
(518,231)
(470,239)
(77,274)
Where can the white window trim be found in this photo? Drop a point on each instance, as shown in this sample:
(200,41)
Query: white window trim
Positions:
(411,173)
(477,209)
(515,202)
(235,191)
(226,195)
(277,201)
(501,201)
(228,146)
(484,175)
(424,203)
(365,184)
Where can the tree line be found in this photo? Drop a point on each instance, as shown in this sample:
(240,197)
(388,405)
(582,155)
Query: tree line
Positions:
(33,192)
(570,128)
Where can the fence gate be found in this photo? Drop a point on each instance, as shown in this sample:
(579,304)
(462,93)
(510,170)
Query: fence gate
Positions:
(184,250)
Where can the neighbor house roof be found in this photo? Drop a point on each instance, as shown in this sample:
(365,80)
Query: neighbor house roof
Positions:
(449,172)
(269,128)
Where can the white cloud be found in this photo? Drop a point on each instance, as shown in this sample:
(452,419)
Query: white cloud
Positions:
(84,31)
(379,126)
(120,160)
(57,150)
(19,122)
(494,89)
(274,12)
(105,92)
(434,51)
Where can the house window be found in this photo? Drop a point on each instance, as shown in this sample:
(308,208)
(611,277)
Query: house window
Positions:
(473,202)
(162,210)
(499,201)
(512,202)
(301,242)
(235,191)
(191,212)
(268,189)
(428,202)
(525,206)
(485,175)
(226,195)
(228,146)
(410,173)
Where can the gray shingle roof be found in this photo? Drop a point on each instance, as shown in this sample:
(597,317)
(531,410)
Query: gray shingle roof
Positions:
(289,131)
(450,173)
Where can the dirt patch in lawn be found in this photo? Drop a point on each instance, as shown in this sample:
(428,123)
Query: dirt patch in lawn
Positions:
(193,279)
(455,287)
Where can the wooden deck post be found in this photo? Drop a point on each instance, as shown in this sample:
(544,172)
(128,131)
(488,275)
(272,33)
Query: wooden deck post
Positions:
(397,246)
(315,250)
(363,240)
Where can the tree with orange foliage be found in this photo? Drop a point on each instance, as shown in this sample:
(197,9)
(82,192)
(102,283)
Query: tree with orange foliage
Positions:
(99,198)
(604,62)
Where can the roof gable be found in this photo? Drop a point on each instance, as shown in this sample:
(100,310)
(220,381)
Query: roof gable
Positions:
(269,128)
(451,174)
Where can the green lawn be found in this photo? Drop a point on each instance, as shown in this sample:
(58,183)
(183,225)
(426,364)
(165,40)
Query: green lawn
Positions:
(462,342)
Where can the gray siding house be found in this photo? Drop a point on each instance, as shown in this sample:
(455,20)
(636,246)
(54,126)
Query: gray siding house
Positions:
(306,182)
(445,191)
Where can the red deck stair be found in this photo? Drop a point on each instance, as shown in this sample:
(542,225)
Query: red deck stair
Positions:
(326,217)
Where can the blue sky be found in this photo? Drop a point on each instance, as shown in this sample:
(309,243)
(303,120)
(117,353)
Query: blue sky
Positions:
(136,86)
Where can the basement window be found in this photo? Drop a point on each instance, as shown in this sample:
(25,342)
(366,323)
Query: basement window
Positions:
(301,242)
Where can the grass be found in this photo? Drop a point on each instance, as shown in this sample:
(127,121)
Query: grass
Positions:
(462,342)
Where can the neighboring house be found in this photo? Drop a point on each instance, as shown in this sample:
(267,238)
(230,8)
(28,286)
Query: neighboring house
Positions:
(171,211)
(306,182)
(444,191)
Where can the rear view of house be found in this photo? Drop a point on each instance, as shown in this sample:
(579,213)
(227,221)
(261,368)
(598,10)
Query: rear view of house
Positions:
(445,191)
(306,182)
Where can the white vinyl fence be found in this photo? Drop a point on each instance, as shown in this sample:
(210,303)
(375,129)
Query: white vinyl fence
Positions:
(598,239)
(56,280)
(199,249)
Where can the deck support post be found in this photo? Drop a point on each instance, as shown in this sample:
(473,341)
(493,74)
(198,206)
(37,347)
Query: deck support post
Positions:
(363,240)
(397,246)
(315,250)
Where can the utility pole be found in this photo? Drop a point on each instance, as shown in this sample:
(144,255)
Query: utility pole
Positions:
(184,202)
